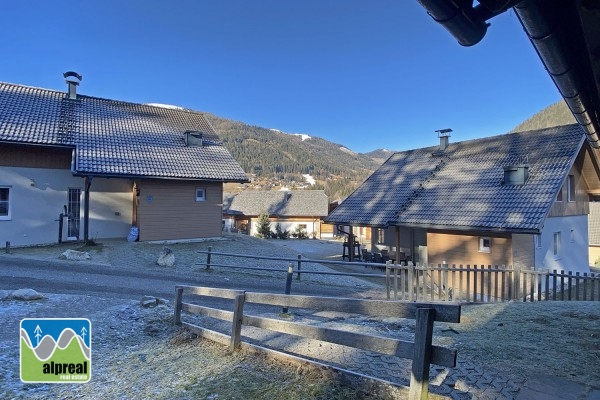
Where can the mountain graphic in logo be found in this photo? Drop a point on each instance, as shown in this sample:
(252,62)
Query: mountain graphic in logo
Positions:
(56,350)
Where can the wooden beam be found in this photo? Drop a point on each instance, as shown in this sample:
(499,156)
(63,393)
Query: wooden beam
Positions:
(384,308)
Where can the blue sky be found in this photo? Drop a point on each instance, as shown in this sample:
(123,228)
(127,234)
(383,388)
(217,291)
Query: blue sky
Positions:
(365,74)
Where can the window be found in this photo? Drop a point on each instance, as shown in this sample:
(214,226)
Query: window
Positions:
(557,245)
(380,236)
(200,194)
(302,227)
(559,195)
(4,203)
(571,188)
(538,241)
(484,244)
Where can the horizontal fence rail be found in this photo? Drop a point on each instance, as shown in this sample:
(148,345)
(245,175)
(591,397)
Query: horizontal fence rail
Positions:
(488,284)
(296,261)
(445,282)
(422,352)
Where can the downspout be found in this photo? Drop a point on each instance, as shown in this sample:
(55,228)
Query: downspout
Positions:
(86,209)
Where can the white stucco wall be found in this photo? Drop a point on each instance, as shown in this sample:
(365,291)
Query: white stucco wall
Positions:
(289,225)
(574,244)
(37,197)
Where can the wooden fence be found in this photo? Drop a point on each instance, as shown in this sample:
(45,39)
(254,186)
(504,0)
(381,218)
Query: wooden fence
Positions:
(487,284)
(447,283)
(421,351)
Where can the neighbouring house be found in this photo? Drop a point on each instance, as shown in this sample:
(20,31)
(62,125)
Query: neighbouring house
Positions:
(594,233)
(94,167)
(520,199)
(291,209)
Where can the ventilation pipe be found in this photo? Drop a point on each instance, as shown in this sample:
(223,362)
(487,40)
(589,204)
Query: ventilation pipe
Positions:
(72,83)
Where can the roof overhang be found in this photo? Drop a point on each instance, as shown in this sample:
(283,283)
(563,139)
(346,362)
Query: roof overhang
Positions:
(564,33)
(164,178)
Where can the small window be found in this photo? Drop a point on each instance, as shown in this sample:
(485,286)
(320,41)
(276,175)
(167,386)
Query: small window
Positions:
(538,241)
(4,203)
(484,244)
(380,236)
(302,227)
(557,245)
(571,188)
(200,194)
(559,195)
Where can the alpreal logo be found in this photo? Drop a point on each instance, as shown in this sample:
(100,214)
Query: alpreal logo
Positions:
(56,350)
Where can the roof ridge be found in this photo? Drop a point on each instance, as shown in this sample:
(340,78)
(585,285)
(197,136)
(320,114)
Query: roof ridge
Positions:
(31,87)
(149,104)
(490,138)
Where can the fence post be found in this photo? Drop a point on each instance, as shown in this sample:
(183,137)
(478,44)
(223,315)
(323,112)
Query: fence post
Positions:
(299,266)
(554,284)
(419,377)
(547,275)
(410,287)
(517,283)
(238,317)
(178,299)
(288,284)
(387,280)
(208,257)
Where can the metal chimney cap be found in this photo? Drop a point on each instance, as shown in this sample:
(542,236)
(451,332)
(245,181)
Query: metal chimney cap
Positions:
(444,132)
(72,74)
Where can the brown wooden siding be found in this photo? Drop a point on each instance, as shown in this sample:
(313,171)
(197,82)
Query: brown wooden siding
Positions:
(168,210)
(523,251)
(15,155)
(581,204)
(464,249)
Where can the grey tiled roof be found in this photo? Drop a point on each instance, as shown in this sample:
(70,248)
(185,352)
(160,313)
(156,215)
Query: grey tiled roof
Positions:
(594,224)
(116,138)
(293,203)
(463,187)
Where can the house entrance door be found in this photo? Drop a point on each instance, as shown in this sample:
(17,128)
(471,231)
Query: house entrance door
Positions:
(73,207)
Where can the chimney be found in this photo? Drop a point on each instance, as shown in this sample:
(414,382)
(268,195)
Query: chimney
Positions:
(193,138)
(72,83)
(444,135)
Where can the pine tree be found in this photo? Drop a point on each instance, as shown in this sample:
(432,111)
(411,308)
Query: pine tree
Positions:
(264,226)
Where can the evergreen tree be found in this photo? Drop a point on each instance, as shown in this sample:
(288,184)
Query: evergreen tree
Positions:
(264,226)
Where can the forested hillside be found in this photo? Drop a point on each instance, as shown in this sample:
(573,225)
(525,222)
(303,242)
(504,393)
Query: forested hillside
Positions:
(553,115)
(272,157)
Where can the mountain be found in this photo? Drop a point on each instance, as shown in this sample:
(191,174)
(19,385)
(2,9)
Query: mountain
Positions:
(274,158)
(553,115)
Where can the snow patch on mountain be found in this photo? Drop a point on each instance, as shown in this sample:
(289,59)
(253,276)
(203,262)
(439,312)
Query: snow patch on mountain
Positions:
(347,150)
(302,135)
(309,179)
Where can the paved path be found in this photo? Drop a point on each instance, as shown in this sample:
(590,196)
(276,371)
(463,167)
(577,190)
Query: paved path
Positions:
(126,274)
